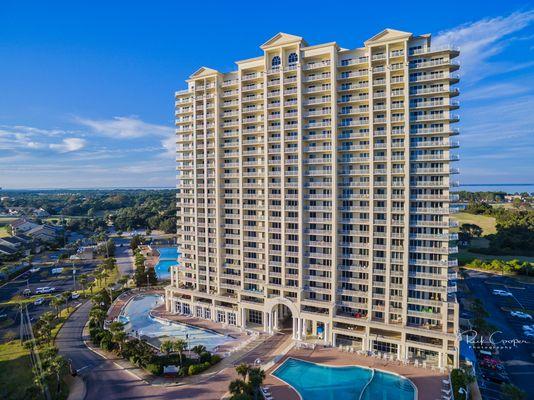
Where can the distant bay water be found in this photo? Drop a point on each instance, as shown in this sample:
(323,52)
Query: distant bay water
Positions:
(499,187)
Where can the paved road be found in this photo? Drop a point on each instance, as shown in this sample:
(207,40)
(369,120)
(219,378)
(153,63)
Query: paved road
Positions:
(518,360)
(106,380)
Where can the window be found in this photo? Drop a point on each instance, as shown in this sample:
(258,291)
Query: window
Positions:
(276,61)
(232,320)
(293,58)
(255,317)
(221,316)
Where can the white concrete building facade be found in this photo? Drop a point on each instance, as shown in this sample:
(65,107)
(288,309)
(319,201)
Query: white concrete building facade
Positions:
(314,195)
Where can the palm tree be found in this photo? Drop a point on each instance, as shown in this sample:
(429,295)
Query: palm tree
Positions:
(118,335)
(238,387)
(83,281)
(55,366)
(166,347)
(256,376)
(56,303)
(243,370)
(199,349)
(179,346)
(119,338)
(66,296)
(98,316)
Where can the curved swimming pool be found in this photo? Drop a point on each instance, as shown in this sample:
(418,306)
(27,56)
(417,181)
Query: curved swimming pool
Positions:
(322,382)
(138,322)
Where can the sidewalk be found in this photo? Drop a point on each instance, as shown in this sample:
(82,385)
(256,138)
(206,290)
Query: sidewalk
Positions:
(77,388)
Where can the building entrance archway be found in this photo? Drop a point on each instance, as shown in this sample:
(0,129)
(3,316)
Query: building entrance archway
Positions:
(282,316)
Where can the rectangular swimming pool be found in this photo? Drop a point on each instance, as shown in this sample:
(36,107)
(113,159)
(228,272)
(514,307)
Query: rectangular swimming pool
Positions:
(168,257)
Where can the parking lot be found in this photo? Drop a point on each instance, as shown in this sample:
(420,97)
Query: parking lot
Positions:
(13,290)
(512,347)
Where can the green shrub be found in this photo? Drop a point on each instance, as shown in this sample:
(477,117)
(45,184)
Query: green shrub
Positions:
(205,356)
(215,358)
(155,368)
(198,368)
(94,332)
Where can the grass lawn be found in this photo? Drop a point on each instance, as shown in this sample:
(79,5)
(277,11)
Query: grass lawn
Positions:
(15,370)
(3,231)
(486,223)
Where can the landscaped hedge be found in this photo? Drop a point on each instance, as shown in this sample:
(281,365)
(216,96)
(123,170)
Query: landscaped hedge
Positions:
(196,369)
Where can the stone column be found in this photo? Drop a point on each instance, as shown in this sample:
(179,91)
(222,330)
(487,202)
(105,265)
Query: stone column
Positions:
(270,321)
(326,332)
(295,328)
(265,321)
(299,328)
(243,318)
(275,318)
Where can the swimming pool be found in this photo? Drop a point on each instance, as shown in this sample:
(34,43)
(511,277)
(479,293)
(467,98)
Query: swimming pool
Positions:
(139,323)
(168,257)
(317,382)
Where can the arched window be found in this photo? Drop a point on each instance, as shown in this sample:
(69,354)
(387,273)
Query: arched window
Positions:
(293,58)
(276,61)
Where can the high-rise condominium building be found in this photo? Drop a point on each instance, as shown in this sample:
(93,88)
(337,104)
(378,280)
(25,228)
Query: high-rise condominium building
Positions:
(314,195)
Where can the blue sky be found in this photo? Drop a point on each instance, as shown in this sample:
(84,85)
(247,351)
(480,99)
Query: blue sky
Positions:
(86,88)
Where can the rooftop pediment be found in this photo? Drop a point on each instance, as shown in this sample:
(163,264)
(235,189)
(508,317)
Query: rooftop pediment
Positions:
(388,34)
(203,72)
(281,39)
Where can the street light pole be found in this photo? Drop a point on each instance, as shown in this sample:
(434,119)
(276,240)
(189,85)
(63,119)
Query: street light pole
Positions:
(73,276)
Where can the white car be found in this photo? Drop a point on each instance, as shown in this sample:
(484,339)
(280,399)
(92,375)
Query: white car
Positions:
(528,328)
(39,301)
(529,334)
(74,295)
(44,290)
(35,269)
(499,292)
(520,314)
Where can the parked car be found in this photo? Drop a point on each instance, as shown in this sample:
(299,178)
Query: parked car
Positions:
(520,314)
(34,270)
(74,295)
(27,292)
(499,292)
(528,327)
(529,334)
(39,301)
(44,290)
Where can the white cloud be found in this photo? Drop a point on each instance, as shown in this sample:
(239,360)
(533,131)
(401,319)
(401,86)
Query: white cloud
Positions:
(69,145)
(481,40)
(495,91)
(125,127)
(169,144)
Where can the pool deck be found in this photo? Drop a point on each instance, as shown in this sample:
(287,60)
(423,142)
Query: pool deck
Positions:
(428,382)
(233,332)
(119,303)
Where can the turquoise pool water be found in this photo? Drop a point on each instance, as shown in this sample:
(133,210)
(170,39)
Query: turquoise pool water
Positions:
(140,323)
(321,382)
(168,257)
